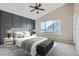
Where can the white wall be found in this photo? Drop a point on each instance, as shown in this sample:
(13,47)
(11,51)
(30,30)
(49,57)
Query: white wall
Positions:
(76,26)
(65,13)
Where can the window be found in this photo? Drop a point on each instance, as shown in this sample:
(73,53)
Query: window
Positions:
(57,26)
(43,26)
(51,26)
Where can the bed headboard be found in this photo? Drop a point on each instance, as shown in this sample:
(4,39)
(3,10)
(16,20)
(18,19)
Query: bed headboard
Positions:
(19,29)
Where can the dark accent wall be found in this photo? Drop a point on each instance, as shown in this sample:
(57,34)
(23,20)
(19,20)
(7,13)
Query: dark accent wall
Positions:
(0,27)
(9,20)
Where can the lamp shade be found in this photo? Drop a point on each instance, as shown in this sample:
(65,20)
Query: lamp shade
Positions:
(9,31)
(34,30)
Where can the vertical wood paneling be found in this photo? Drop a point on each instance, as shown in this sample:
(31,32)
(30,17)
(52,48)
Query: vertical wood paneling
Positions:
(6,24)
(16,21)
(8,21)
(33,24)
(3,26)
(0,27)
(28,24)
(23,22)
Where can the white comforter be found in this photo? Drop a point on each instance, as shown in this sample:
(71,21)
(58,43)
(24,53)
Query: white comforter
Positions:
(33,48)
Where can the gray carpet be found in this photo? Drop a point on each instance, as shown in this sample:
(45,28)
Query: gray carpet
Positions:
(63,49)
(59,49)
(13,51)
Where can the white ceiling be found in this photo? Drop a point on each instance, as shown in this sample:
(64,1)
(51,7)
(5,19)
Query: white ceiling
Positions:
(23,9)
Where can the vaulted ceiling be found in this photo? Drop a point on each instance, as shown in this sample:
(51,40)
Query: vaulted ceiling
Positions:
(23,9)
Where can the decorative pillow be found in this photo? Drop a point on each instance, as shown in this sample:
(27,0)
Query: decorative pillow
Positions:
(21,36)
(18,35)
(26,33)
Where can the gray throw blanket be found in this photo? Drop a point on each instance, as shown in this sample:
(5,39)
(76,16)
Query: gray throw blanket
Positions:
(27,44)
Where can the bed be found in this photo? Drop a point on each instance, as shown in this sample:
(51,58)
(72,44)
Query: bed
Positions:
(27,42)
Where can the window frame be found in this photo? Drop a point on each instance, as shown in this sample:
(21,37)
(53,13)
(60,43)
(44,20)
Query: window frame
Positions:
(59,32)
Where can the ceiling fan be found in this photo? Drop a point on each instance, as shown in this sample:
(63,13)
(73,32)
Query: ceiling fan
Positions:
(37,8)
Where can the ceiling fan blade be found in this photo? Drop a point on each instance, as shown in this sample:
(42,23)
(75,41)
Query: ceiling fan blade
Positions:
(32,10)
(41,9)
(31,6)
(39,5)
(36,4)
(37,12)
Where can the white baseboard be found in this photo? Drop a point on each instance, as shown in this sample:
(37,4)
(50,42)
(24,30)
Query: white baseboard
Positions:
(66,42)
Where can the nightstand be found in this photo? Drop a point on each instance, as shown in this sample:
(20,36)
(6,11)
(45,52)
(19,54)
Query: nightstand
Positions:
(8,42)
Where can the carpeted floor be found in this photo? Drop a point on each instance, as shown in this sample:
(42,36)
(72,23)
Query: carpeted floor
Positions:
(63,49)
(59,49)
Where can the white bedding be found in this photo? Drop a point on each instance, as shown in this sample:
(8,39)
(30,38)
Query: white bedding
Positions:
(33,48)
(18,41)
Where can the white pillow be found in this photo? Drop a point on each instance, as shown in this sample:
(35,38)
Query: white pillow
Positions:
(26,33)
(18,34)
